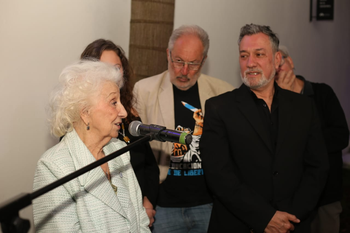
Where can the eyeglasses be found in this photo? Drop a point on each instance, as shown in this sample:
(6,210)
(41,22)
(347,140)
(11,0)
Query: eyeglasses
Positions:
(178,64)
(118,67)
(282,60)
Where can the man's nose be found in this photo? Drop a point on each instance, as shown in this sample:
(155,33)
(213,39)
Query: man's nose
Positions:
(251,62)
(185,69)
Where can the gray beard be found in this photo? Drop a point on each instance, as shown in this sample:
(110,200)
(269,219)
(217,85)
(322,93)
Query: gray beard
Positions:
(261,83)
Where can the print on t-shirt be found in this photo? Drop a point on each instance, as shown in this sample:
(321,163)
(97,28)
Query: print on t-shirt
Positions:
(185,160)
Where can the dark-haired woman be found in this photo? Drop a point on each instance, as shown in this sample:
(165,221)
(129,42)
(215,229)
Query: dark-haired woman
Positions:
(142,158)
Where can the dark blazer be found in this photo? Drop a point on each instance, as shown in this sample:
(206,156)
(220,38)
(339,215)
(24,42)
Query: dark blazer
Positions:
(336,135)
(145,167)
(249,180)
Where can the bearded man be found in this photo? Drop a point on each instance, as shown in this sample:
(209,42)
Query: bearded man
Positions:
(262,149)
(175,99)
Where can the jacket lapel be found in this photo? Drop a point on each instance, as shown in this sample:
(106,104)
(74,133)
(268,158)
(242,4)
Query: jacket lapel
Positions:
(284,118)
(94,181)
(205,92)
(98,185)
(248,108)
(166,102)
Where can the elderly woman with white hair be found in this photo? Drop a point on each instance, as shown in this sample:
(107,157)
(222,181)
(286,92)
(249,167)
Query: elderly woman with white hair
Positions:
(86,108)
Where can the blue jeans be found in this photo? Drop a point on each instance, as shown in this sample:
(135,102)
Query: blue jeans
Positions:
(181,220)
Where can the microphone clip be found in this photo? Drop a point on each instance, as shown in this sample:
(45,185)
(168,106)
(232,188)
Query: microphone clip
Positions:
(154,131)
(159,133)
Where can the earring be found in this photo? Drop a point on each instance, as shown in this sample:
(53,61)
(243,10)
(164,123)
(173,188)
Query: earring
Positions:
(88,126)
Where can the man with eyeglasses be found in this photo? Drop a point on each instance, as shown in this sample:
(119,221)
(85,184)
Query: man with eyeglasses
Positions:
(175,99)
(336,134)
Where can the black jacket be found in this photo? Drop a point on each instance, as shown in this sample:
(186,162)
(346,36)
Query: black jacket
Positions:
(336,134)
(250,180)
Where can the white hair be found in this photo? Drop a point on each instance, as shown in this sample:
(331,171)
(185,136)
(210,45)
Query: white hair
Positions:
(284,50)
(78,84)
(190,30)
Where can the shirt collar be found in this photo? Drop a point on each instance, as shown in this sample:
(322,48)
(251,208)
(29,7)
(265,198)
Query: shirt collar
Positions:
(275,95)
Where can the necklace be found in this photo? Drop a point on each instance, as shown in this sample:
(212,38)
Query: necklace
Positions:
(125,138)
(108,174)
(115,188)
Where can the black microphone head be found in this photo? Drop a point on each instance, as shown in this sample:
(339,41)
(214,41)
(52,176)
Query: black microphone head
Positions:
(134,128)
(188,139)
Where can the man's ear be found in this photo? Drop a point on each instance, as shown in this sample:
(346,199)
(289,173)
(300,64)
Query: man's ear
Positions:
(168,54)
(205,58)
(278,59)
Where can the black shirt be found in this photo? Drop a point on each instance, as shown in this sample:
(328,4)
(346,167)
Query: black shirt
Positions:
(185,185)
(269,118)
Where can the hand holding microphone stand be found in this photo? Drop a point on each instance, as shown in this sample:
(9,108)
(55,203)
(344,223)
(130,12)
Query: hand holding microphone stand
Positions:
(9,210)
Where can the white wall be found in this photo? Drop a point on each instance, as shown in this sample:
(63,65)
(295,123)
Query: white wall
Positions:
(38,38)
(320,49)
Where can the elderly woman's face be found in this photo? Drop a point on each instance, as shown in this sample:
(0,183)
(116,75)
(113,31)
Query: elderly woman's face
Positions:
(107,111)
(110,57)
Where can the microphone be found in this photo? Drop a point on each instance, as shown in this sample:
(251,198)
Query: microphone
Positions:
(160,133)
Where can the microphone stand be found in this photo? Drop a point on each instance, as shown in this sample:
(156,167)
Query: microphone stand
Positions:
(9,210)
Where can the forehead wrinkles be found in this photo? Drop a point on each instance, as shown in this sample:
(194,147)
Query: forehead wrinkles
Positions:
(108,89)
(254,42)
(188,47)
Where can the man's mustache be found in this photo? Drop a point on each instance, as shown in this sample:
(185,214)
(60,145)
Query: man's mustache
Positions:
(252,70)
(183,76)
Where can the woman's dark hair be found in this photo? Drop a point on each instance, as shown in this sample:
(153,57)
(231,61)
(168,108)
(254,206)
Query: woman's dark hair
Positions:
(95,50)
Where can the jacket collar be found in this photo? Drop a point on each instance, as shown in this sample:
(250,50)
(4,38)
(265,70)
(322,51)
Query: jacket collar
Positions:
(307,89)
(166,98)
(205,91)
(166,101)
(94,181)
(248,108)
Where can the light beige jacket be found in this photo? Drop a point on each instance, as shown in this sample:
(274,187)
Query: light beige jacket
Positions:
(155,105)
(88,202)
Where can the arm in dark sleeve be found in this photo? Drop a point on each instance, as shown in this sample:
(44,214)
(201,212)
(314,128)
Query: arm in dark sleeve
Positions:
(335,128)
(315,171)
(151,176)
(220,174)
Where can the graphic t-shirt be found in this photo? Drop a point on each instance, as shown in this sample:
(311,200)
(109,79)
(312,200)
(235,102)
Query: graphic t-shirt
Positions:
(185,185)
